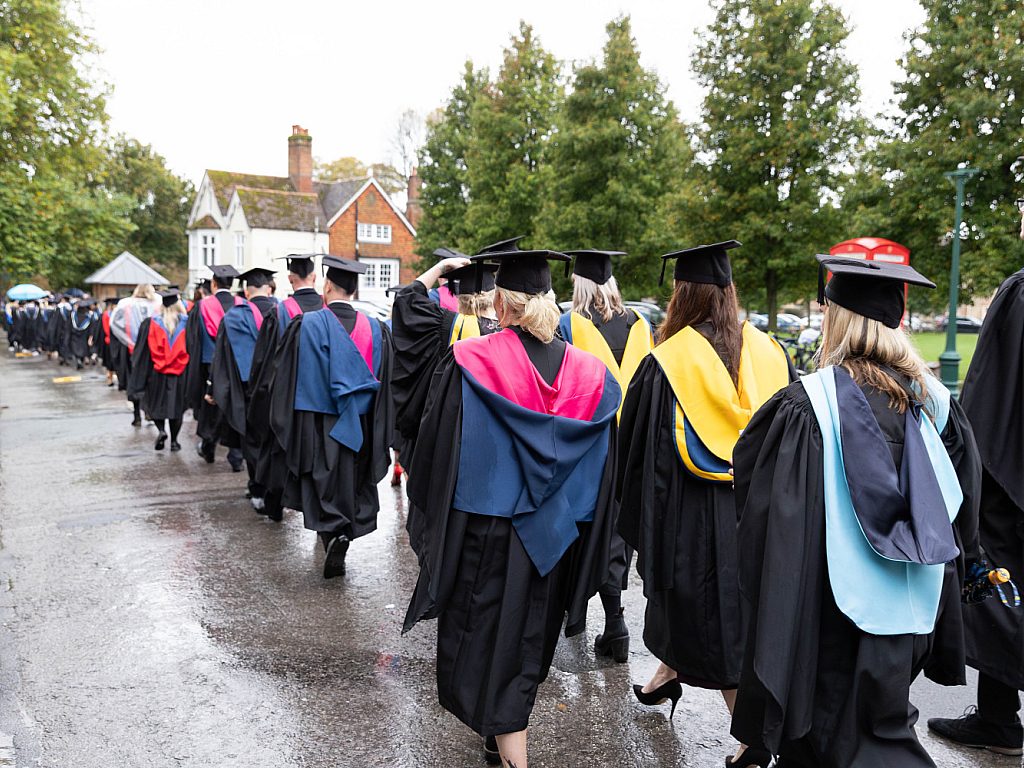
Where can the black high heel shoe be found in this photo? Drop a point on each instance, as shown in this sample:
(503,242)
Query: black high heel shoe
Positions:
(750,756)
(161,438)
(491,754)
(670,691)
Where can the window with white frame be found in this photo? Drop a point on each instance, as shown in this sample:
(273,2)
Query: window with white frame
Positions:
(380,275)
(239,249)
(208,249)
(373,233)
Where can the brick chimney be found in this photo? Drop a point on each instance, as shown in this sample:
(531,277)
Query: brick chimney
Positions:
(413,211)
(300,159)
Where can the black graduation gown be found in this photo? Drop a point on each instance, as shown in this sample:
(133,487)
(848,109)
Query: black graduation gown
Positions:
(684,531)
(814,686)
(209,423)
(422,332)
(261,450)
(104,347)
(161,395)
(993,399)
(498,619)
(333,486)
(81,329)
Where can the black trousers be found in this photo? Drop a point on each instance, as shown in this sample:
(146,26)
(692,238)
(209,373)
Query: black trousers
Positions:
(997,702)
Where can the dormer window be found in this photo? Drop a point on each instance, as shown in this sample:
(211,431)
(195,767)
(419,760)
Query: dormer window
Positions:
(374,233)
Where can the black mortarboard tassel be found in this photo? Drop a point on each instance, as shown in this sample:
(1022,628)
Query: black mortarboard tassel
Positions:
(704,264)
(523,271)
(874,289)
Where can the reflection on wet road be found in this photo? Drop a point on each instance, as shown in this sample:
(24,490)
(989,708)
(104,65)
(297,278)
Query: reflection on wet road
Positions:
(151,618)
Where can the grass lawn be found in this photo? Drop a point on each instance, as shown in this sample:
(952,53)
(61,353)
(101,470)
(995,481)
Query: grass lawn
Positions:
(931,344)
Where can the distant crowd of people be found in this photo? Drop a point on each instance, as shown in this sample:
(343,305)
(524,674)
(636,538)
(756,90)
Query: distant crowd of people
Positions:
(808,545)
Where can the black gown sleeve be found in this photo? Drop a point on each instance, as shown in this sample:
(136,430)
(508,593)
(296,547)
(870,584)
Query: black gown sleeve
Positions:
(227,388)
(142,364)
(958,437)
(282,390)
(421,330)
(195,377)
(383,408)
(779,469)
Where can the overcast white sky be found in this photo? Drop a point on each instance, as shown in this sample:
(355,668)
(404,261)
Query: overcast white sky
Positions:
(219,83)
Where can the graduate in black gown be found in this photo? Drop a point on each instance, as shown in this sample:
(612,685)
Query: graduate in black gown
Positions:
(231,371)
(83,327)
(331,413)
(201,342)
(262,451)
(125,323)
(29,327)
(993,399)
(600,324)
(857,489)
(157,380)
(106,352)
(688,402)
(510,512)
(423,331)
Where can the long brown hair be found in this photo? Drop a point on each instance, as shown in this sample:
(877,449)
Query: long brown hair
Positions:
(693,304)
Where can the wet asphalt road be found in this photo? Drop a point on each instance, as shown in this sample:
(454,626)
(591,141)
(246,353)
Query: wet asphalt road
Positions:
(151,618)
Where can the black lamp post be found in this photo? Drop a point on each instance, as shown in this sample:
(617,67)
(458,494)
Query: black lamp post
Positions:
(949,361)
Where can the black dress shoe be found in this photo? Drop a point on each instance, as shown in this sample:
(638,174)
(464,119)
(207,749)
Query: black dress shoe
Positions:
(614,641)
(237,467)
(175,445)
(208,456)
(670,691)
(972,730)
(161,439)
(334,563)
(491,754)
(136,422)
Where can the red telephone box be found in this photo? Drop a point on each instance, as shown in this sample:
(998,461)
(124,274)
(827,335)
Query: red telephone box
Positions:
(873,249)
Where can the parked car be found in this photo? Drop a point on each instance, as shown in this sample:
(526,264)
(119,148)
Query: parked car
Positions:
(373,309)
(649,310)
(789,323)
(963,324)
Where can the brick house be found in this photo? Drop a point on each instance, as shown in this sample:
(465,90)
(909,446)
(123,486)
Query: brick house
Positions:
(248,220)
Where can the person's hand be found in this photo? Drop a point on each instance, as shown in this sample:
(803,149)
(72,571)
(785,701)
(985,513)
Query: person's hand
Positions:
(209,399)
(452,262)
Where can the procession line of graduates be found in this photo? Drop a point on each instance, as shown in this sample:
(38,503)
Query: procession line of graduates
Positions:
(66,327)
(804,545)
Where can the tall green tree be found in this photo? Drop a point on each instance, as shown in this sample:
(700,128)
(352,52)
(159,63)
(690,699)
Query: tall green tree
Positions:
(618,149)
(778,124)
(52,119)
(443,168)
(512,123)
(161,202)
(960,102)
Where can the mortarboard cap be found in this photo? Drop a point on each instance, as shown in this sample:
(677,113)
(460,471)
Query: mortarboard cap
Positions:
(449,253)
(336,268)
(873,289)
(523,271)
(224,271)
(703,264)
(475,277)
(170,297)
(257,277)
(300,264)
(111,300)
(502,246)
(593,265)
(204,284)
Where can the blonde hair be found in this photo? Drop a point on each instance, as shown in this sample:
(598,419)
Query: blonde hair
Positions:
(171,315)
(589,297)
(479,304)
(144,291)
(861,345)
(535,313)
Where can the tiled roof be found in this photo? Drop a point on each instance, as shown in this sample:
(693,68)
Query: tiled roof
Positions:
(207,222)
(126,269)
(225,182)
(273,209)
(334,194)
